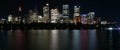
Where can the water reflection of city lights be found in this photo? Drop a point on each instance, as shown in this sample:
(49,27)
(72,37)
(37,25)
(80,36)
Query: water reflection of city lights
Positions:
(54,40)
(110,28)
(118,28)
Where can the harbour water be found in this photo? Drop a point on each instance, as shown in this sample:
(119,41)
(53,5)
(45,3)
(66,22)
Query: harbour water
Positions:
(60,39)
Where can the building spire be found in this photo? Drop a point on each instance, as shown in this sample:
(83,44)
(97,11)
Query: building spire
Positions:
(35,6)
(20,9)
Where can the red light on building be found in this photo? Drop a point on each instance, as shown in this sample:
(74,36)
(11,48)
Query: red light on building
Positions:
(19,9)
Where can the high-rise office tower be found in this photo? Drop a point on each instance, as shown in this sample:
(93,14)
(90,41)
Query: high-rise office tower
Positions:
(91,16)
(65,11)
(46,12)
(54,15)
(76,11)
(34,17)
(84,19)
(28,17)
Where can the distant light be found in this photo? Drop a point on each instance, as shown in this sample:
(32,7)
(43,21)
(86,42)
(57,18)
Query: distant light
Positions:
(118,28)
(97,25)
(40,17)
(3,19)
(110,28)
(92,12)
(47,4)
(75,6)
(19,9)
(84,15)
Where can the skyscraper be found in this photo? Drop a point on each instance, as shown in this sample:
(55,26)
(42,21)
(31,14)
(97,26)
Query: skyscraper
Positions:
(46,12)
(34,17)
(76,11)
(76,15)
(28,17)
(84,19)
(91,16)
(54,15)
(65,11)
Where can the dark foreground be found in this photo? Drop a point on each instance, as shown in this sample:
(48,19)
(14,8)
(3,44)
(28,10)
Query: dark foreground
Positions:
(54,26)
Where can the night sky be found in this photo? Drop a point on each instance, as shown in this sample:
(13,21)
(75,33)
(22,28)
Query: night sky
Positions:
(107,9)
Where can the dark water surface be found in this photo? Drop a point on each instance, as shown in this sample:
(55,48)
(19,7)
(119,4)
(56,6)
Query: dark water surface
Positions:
(59,40)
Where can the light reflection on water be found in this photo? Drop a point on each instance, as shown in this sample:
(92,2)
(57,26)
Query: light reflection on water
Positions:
(92,39)
(54,40)
(76,40)
(19,40)
(63,40)
(59,39)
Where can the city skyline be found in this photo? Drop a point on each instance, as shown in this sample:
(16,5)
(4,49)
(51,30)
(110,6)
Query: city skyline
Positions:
(105,9)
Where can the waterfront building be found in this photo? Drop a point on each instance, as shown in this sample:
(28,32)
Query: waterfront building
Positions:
(84,19)
(10,18)
(40,19)
(65,11)
(31,17)
(34,17)
(97,20)
(2,20)
(77,20)
(76,11)
(16,19)
(46,12)
(76,14)
(54,15)
(91,16)
(28,17)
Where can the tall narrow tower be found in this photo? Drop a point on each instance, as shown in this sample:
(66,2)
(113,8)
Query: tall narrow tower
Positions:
(19,9)
(35,6)
(65,11)
(46,12)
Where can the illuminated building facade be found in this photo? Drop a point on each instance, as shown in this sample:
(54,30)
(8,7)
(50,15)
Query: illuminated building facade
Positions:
(28,17)
(76,11)
(77,19)
(34,17)
(46,12)
(16,19)
(76,15)
(84,19)
(40,19)
(65,11)
(10,18)
(54,15)
(91,16)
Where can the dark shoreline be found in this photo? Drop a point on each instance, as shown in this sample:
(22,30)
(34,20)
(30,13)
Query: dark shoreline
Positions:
(53,26)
